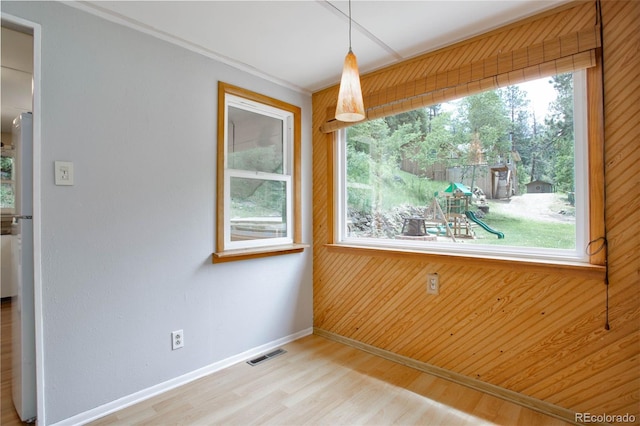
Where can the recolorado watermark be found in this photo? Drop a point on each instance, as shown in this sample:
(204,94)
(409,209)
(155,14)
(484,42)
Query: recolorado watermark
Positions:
(605,418)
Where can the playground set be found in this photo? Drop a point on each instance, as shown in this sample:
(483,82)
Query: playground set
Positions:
(455,220)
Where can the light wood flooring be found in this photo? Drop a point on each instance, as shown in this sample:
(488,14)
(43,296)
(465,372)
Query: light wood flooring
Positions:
(321,382)
(317,382)
(8,414)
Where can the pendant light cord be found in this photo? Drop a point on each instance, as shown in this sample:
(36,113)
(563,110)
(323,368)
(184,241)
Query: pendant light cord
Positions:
(349,25)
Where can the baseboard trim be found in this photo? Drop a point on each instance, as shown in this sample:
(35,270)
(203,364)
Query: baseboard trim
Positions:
(144,394)
(511,396)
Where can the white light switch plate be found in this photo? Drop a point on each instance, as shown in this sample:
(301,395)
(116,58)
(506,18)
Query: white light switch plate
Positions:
(64,172)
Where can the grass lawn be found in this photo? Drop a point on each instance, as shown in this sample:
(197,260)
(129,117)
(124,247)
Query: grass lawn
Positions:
(522,232)
(407,189)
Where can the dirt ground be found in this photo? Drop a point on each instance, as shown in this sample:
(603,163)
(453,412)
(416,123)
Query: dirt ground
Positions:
(547,207)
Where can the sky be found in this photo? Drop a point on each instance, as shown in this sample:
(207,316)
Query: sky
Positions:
(540,93)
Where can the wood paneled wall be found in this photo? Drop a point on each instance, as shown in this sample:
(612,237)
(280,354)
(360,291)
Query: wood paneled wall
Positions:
(536,332)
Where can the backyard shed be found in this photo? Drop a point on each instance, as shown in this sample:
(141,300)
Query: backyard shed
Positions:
(539,187)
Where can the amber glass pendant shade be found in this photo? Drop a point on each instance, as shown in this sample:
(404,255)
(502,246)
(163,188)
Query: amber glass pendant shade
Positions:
(350,105)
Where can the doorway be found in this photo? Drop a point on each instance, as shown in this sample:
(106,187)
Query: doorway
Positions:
(21,282)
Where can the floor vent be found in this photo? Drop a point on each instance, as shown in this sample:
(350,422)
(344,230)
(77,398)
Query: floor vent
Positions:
(263,358)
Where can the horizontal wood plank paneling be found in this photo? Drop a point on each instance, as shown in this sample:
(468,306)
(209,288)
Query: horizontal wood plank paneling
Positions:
(536,331)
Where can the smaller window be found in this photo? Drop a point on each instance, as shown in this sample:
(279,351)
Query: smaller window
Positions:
(7,181)
(258,169)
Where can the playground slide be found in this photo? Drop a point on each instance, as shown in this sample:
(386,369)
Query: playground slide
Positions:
(484,226)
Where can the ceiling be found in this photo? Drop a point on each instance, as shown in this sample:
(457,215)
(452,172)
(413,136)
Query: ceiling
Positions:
(302,44)
(299,44)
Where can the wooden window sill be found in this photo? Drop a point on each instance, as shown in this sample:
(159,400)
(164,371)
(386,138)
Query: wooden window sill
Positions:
(253,253)
(585,270)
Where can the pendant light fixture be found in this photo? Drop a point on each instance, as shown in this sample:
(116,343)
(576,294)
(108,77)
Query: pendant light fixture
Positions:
(350,106)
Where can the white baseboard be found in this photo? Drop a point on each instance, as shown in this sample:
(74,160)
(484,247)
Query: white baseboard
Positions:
(134,398)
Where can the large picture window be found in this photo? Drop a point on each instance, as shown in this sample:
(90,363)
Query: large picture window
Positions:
(258,166)
(498,173)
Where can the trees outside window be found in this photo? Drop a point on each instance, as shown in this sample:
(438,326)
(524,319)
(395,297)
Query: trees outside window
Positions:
(494,169)
(7,182)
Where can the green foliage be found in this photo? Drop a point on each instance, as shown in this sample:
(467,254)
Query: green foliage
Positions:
(266,159)
(549,153)
(6,167)
(476,132)
(561,133)
(7,196)
(417,119)
(358,166)
(485,114)
(257,197)
(520,116)
(523,178)
(500,121)
(407,188)
(564,173)
(437,146)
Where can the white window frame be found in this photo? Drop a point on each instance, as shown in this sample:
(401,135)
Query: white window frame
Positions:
(479,250)
(287,149)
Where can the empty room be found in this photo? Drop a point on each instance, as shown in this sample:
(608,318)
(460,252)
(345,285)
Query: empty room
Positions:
(320,212)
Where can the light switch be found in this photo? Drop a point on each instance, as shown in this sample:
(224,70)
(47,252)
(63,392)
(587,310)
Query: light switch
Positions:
(64,172)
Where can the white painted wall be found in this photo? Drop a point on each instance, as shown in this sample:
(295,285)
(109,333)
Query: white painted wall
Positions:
(127,250)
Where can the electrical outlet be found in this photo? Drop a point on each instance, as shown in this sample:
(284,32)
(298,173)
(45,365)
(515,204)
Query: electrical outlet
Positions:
(433,284)
(177,339)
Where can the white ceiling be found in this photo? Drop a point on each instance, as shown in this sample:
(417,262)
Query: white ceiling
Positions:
(302,43)
(299,44)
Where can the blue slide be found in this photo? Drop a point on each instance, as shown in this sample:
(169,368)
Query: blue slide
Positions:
(472,217)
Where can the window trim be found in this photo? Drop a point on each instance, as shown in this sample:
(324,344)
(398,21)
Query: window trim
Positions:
(587,270)
(275,246)
(286,118)
(593,205)
(245,244)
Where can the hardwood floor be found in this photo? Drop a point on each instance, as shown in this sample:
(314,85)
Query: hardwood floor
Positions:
(8,415)
(317,382)
(322,382)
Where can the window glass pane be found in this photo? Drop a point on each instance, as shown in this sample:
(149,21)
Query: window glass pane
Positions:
(6,168)
(255,141)
(7,196)
(495,168)
(258,209)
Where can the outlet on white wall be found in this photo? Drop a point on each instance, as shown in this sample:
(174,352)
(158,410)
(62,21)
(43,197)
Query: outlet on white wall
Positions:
(177,339)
